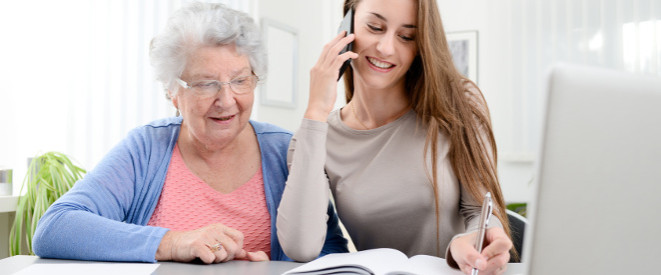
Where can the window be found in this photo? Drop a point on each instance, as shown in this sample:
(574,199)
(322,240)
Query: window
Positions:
(76,75)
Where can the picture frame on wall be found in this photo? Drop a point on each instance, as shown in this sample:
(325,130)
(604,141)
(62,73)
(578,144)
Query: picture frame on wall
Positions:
(463,46)
(279,89)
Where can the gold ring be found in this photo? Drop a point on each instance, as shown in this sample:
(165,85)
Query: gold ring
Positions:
(215,247)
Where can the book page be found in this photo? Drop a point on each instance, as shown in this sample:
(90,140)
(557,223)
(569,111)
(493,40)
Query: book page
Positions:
(426,265)
(378,261)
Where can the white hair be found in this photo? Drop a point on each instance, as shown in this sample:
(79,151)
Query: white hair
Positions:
(204,24)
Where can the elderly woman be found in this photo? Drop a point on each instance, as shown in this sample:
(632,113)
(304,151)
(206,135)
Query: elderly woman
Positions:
(203,185)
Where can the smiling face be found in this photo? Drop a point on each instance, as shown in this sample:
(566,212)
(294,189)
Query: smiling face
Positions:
(385,42)
(217,120)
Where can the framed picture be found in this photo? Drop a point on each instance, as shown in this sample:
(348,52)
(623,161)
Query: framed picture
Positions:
(463,46)
(280,86)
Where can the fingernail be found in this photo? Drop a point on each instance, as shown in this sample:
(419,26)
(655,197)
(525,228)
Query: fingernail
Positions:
(479,264)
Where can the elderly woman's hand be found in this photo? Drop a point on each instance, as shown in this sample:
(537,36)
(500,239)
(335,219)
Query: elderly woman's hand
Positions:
(324,75)
(212,244)
(258,256)
(494,256)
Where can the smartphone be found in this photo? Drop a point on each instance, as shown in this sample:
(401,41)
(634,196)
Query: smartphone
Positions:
(346,25)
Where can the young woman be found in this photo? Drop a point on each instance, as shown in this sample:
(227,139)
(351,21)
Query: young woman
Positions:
(408,159)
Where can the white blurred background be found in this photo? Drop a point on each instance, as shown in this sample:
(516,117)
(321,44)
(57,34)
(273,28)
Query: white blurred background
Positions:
(75,75)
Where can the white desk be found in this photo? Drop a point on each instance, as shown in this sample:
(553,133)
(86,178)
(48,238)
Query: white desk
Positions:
(8,203)
(16,263)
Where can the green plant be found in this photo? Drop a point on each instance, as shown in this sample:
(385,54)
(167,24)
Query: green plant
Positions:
(49,176)
(519,208)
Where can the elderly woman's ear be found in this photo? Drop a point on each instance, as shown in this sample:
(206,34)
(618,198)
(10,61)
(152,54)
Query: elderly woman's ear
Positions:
(173,98)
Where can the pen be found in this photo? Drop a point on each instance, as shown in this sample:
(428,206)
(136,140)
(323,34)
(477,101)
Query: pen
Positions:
(487,208)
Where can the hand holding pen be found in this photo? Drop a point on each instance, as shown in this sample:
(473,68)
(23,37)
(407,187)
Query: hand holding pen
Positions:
(485,215)
(485,251)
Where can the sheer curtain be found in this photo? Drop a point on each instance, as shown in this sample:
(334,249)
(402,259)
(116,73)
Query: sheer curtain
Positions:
(619,34)
(76,76)
(521,39)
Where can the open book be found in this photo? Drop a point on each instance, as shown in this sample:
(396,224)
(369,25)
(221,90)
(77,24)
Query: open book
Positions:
(380,261)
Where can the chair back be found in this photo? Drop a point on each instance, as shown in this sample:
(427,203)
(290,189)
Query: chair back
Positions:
(517,229)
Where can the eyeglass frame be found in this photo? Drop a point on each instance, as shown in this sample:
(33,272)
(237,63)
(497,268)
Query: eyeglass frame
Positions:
(187,85)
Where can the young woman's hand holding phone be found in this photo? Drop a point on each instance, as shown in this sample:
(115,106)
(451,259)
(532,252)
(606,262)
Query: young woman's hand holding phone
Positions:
(324,75)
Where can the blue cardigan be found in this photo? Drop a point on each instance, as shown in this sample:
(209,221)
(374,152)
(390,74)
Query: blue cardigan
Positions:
(104,216)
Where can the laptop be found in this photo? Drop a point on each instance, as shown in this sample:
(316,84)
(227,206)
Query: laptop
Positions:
(597,204)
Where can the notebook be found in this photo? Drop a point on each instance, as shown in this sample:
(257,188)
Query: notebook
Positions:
(598,180)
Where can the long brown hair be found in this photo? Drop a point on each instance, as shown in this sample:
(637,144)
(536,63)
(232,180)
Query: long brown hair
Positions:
(447,102)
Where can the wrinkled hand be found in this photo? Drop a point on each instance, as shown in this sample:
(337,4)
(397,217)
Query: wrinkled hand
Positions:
(185,246)
(494,256)
(324,75)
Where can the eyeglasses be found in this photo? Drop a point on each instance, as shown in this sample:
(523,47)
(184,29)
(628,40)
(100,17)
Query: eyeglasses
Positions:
(208,88)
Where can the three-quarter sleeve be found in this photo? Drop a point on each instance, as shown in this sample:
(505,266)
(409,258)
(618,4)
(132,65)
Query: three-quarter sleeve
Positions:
(302,214)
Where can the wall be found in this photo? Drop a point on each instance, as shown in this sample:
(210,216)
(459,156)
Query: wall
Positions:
(515,167)
(316,23)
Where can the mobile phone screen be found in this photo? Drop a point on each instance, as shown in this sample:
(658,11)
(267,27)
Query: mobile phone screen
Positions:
(346,25)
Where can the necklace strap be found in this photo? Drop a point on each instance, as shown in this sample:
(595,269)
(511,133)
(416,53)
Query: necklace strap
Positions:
(353,109)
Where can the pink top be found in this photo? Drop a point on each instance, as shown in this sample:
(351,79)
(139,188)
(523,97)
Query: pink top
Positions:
(188,203)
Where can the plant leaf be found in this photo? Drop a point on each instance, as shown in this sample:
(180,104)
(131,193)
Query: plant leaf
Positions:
(49,176)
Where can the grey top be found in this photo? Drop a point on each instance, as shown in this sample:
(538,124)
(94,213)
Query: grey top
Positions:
(380,185)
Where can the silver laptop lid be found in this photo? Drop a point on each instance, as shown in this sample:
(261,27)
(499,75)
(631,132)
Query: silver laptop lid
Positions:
(598,193)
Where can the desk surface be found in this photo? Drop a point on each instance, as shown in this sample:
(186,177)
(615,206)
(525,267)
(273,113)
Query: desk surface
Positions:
(16,263)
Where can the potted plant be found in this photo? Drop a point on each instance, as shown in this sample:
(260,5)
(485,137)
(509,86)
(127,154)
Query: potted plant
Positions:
(49,176)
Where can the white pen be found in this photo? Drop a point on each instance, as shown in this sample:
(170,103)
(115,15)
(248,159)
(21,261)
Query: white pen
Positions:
(487,208)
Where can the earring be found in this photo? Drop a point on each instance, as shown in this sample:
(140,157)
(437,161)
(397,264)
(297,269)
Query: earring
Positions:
(177,113)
